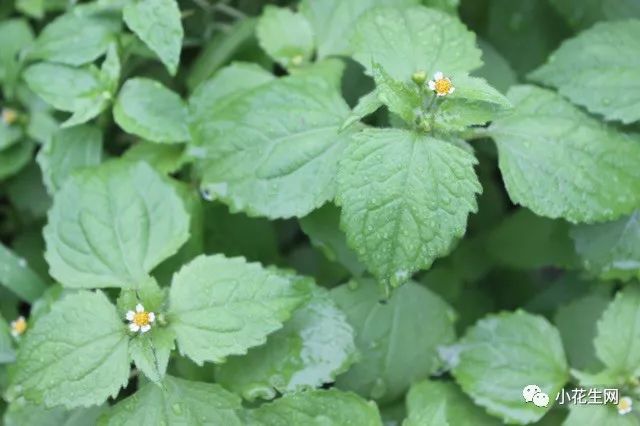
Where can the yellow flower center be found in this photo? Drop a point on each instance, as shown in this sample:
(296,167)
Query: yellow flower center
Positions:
(443,86)
(20,325)
(9,116)
(141,318)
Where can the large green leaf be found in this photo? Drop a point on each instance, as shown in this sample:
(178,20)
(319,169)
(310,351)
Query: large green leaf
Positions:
(272,150)
(68,150)
(76,355)
(21,413)
(109,226)
(598,69)
(286,36)
(610,250)
(428,397)
(316,408)
(76,39)
(18,277)
(584,13)
(15,35)
(333,21)
(598,415)
(398,338)
(176,402)
(406,40)
(148,109)
(559,162)
(618,339)
(503,353)
(158,24)
(313,347)
(405,199)
(220,306)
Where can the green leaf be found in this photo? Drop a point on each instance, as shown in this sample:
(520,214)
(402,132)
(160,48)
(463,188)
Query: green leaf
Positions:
(526,241)
(285,35)
(594,70)
(402,99)
(76,39)
(109,226)
(313,347)
(576,322)
(438,403)
(610,250)
(559,162)
(414,191)
(272,150)
(584,13)
(14,158)
(367,105)
(503,353)
(159,26)
(322,226)
(74,356)
(21,414)
(316,408)
(68,150)
(15,35)
(7,353)
(81,91)
(618,340)
(176,402)
(406,40)
(598,415)
(166,158)
(333,21)
(390,338)
(495,69)
(150,352)
(220,306)
(148,109)
(18,277)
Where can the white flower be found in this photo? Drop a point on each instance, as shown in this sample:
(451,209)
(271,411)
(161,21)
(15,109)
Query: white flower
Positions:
(441,85)
(140,320)
(18,326)
(625,405)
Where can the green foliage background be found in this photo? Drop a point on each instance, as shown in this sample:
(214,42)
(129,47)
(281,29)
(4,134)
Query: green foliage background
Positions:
(322,240)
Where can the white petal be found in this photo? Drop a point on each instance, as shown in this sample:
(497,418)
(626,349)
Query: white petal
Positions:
(432,85)
(15,333)
(152,317)
(452,89)
(130,315)
(134,327)
(145,328)
(438,75)
(139,308)
(440,94)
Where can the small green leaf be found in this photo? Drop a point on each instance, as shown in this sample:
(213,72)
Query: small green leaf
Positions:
(109,226)
(271,150)
(316,408)
(15,35)
(14,158)
(7,353)
(367,105)
(220,306)
(594,70)
(495,69)
(75,356)
(68,150)
(10,134)
(618,340)
(176,402)
(610,250)
(18,277)
(503,353)
(405,199)
(403,99)
(389,339)
(559,162)
(166,158)
(148,109)
(406,40)
(313,347)
(150,352)
(159,26)
(76,39)
(81,91)
(438,403)
(285,35)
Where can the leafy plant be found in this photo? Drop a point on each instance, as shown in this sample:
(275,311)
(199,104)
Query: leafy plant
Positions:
(319,212)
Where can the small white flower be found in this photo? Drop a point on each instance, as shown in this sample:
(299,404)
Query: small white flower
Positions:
(625,405)
(140,320)
(18,326)
(441,85)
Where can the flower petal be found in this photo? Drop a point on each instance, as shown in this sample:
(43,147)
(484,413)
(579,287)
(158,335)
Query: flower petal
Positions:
(438,75)
(130,315)
(432,85)
(452,89)
(134,327)
(145,328)
(139,308)
(152,317)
